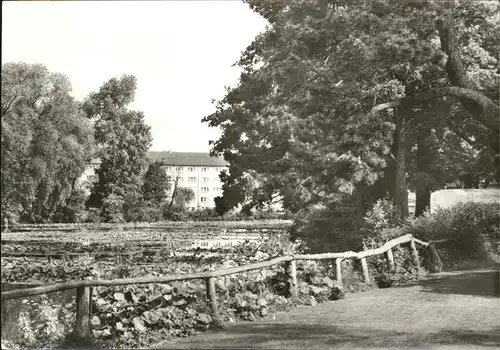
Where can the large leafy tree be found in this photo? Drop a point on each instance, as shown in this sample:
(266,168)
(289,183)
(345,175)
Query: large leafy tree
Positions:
(334,95)
(46,142)
(156,184)
(181,197)
(123,140)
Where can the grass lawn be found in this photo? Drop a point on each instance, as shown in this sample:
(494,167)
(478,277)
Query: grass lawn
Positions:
(459,310)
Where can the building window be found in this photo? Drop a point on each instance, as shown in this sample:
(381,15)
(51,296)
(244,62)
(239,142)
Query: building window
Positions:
(192,179)
(206,179)
(204,189)
(179,168)
(204,199)
(217,189)
(204,170)
(190,168)
(180,179)
(169,168)
(169,178)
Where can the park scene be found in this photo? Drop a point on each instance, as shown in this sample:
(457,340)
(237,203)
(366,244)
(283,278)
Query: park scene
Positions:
(250,174)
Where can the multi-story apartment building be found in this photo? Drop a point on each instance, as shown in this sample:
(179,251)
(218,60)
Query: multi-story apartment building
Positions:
(197,171)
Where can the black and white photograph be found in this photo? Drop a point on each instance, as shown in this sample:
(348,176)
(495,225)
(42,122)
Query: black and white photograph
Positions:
(250,174)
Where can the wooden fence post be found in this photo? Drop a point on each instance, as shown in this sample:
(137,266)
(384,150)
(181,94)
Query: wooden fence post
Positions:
(81,333)
(207,285)
(212,294)
(390,260)
(338,270)
(414,252)
(291,270)
(437,264)
(364,265)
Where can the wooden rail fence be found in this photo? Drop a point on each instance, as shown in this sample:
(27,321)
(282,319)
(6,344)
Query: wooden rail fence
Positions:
(84,287)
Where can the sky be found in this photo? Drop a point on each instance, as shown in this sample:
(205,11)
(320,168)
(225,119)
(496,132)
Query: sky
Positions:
(181,53)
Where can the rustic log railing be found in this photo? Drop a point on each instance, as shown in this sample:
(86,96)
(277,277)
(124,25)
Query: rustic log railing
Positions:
(84,287)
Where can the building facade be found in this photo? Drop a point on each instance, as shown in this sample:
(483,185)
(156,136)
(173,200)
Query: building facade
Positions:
(88,177)
(197,171)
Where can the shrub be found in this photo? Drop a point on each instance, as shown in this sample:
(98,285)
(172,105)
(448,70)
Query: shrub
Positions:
(203,214)
(39,323)
(316,283)
(92,215)
(336,227)
(341,227)
(473,231)
(221,205)
(142,211)
(382,225)
(174,213)
(112,208)
(73,210)
(269,215)
(352,276)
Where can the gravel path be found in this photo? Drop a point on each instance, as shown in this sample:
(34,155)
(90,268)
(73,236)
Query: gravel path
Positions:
(459,310)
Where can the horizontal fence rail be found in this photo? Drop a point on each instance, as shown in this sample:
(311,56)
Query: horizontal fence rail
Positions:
(22,293)
(84,287)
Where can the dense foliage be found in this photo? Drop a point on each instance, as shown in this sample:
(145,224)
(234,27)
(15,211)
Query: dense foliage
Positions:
(48,139)
(473,231)
(156,184)
(46,144)
(342,226)
(123,140)
(306,122)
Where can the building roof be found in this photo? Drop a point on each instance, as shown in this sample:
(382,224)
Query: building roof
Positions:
(180,159)
(187,159)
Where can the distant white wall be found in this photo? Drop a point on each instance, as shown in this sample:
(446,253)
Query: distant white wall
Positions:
(88,177)
(448,198)
(412,200)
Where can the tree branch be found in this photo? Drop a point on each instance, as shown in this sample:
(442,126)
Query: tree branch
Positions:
(6,109)
(454,66)
(174,192)
(480,106)
(489,116)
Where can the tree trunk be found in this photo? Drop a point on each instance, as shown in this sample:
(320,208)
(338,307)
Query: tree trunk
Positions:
(468,181)
(481,107)
(174,192)
(400,187)
(423,193)
(423,201)
(436,262)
